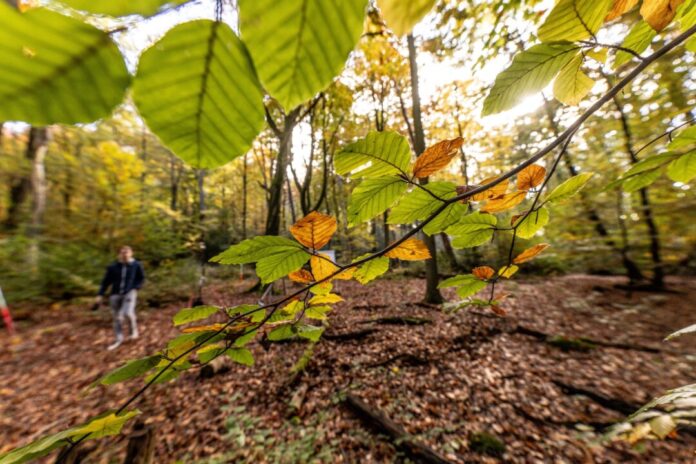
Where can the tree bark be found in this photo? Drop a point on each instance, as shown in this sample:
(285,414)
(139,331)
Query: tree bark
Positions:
(244,197)
(38,145)
(281,166)
(658,278)
(432,293)
(633,272)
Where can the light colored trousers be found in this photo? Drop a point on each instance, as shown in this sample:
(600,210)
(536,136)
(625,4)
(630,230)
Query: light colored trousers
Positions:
(123,306)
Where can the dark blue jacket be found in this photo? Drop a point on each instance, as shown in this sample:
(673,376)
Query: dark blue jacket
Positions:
(122,278)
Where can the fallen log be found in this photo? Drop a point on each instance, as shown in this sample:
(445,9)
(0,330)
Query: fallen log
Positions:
(398,320)
(614,404)
(356,335)
(378,420)
(581,341)
(217,366)
(407,358)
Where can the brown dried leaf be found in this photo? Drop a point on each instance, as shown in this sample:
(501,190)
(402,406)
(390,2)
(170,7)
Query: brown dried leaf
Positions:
(495,191)
(410,250)
(530,253)
(483,272)
(504,202)
(659,13)
(530,177)
(314,230)
(436,157)
(620,7)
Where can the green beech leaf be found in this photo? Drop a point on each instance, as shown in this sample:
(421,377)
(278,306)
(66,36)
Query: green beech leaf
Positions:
(378,154)
(299,46)
(194,314)
(57,69)
(457,280)
(471,287)
(121,7)
(374,196)
(638,40)
(683,169)
(275,257)
(402,15)
(371,269)
(256,316)
(310,332)
(448,217)
(130,370)
(254,249)
(473,230)
(530,71)
(241,356)
(317,312)
(569,188)
(649,164)
(639,181)
(197,90)
(684,139)
(282,332)
(106,424)
(419,204)
(527,227)
(572,84)
(210,352)
(574,20)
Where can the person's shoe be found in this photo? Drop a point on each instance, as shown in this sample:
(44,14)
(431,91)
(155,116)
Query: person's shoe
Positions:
(114,345)
(135,335)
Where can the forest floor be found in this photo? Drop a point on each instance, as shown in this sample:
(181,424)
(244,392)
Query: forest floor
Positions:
(445,378)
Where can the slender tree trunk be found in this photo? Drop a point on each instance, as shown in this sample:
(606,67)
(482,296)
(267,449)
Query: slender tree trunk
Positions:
(432,293)
(633,272)
(658,278)
(291,200)
(36,152)
(284,158)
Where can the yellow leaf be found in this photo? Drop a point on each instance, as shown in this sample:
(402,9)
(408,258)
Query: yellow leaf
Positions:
(530,177)
(410,250)
(436,157)
(203,328)
(301,275)
(322,266)
(495,191)
(530,253)
(347,274)
(504,202)
(483,272)
(659,13)
(217,327)
(314,230)
(325,299)
(620,7)
(508,271)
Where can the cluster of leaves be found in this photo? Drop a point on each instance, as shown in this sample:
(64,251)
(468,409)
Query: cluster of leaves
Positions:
(679,163)
(568,38)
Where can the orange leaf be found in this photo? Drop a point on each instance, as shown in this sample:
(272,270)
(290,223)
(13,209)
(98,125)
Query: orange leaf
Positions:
(498,310)
(530,253)
(659,13)
(495,191)
(436,157)
(301,275)
(530,177)
(503,203)
(410,250)
(314,230)
(620,7)
(347,274)
(483,272)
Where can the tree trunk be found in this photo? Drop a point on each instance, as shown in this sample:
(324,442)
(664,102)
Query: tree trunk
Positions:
(281,166)
(658,279)
(632,270)
(38,144)
(432,293)
(141,445)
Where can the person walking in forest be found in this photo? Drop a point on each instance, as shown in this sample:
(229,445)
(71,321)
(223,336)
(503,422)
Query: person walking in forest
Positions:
(125,276)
